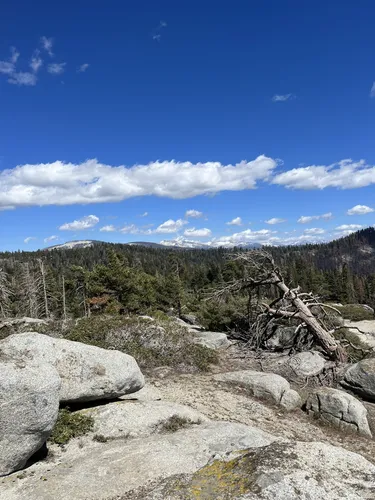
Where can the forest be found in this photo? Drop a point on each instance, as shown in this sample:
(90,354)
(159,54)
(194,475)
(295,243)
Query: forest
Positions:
(119,278)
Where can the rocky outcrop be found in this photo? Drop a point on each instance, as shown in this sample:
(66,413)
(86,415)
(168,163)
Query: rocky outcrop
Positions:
(340,409)
(360,378)
(267,386)
(29,404)
(87,372)
(128,419)
(290,400)
(213,460)
(108,470)
(280,471)
(212,340)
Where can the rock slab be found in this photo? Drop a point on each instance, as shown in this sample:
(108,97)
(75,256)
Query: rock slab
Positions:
(87,372)
(132,419)
(268,386)
(29,404)
(360,378)
(212,340)
(340,409)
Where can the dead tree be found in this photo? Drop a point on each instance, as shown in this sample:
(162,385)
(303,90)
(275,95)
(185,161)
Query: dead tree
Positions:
(259,270)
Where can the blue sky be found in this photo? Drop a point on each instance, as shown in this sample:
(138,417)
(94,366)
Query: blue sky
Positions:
(244,112)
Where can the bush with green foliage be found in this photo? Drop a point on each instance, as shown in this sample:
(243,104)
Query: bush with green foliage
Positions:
(70,425)
(152,343)
(355,312)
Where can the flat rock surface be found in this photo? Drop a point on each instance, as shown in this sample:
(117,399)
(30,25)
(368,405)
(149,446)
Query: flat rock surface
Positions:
(131,419)
(106,470)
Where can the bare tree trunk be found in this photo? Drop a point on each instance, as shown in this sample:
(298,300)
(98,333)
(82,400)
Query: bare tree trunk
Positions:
(64,299)
(324,338)
(42,272)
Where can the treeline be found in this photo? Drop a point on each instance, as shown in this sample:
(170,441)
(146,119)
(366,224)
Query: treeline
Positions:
(125,278)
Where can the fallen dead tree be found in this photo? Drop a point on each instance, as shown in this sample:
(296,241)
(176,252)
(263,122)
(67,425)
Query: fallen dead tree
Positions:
(303,309)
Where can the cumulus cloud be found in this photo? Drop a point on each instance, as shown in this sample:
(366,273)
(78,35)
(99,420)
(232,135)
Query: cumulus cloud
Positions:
(237,221)
(14,55)
(133,229)
(61,183)
(36,61)
(345,174)
(23,79)
(171,226)
(29,238)
(197,233)
(360,210)
(372,91)
(47,44)
(56,68)
(314,230)
(305,219)
(81,224)
(83,68)
(6,67)
(51,238)
(348,227)
(275,220)
(108,229)
(194,214)
(282,97)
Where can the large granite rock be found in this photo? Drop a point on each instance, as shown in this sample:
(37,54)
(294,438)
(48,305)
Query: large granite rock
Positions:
(307,364)
(280,471)
(267,386)
(29,404)
(132,419)
(108,470)
(360,378)
(212,340)
(340,409)
(214,460)
(87,372)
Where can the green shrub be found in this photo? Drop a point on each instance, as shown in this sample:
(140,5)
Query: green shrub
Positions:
(174,423)
(70,425)
(151,343)
(355,312)
(355,349)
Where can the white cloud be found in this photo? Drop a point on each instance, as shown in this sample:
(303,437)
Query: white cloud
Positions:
(345,174)
(51,238)
(305,219)
(9,67)
(314,230)
(78,225)
(23,79)
(275,220)
(237,221)
(108,229)
(61,183)
(282,97)
(372,91)
(6,67)
(47,44)
(83,68)
(348,227)
(14,55)
(28,239)
(133,229)
(145,214)
(36,61)
(56,68)
(170,226)
(360,210)
(194,214)
(197,233)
